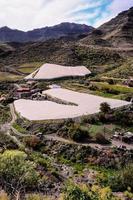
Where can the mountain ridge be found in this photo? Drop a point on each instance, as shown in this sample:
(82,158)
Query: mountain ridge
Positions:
(65,29)
(118,32)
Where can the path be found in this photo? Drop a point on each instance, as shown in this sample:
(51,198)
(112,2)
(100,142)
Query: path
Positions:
(6,128)
(93,145)
(60,139)
(54,137)
(13,114)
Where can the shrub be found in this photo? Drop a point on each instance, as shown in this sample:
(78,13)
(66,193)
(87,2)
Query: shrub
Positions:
(123,179)
(111,81)
(93,87)
(121,118)
(77,134)
(16,170)
(32,141)
(98,193)
(100,139)
(105,107)
(73,192)
(128,194)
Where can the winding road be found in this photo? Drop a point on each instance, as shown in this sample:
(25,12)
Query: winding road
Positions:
(9,126)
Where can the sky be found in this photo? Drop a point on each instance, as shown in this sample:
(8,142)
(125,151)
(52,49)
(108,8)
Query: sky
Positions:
(30,14)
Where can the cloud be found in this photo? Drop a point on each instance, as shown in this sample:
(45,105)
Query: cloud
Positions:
(29,14)
(114,7)
(120,5)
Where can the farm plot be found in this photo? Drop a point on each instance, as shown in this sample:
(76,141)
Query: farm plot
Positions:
(52,71)
(85,104)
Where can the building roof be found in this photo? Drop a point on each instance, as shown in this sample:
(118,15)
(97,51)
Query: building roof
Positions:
(23,89)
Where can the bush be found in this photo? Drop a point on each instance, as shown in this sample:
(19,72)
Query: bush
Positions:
(32,141)
(121,118)
(16,170)
(105,107)
(122,180)
(74,192)
(78,134)
(111,81)
(100,139)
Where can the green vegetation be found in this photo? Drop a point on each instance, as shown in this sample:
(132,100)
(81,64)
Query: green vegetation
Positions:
(123,71)
(123,179)
(15,168)
(91,56)
(29,67)
(107,129)
(19,128)
(105,108)
(6,76)
(112,89)
(45,164)
(75,192)
(77,133)
(4,114)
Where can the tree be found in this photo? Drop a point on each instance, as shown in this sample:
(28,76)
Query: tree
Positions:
(105,108)
(77,133)
(100,139)
(16,171)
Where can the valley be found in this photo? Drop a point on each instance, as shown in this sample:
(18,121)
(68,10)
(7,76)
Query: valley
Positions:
(66,112)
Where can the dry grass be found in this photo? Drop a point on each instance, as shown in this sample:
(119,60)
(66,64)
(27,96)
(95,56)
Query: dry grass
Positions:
(6,76)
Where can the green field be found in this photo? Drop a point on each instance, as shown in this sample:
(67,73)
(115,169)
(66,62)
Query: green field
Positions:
(119,88)
(6,76)
(29,67)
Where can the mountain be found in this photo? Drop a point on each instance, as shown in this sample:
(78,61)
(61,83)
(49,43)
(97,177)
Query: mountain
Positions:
(58,51)
(118,32)
(102,50)
(62,30)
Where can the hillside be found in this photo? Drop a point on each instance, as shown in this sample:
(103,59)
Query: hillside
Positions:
(118,32)
(66,112)
(42,34)
(104,49)
(59,52)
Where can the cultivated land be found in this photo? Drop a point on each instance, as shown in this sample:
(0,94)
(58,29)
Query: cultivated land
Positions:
(46,110)
(52,71)
(88,157)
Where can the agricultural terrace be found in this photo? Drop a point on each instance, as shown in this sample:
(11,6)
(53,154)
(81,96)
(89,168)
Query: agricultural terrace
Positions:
(83,104)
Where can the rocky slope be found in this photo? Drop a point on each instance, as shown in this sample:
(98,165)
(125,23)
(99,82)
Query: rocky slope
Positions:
(118,32)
